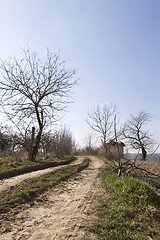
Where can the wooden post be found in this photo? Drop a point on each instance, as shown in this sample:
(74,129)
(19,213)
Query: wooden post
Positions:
(31,144)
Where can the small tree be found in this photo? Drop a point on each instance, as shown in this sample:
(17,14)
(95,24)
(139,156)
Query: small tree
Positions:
(135,133)
(89,143)
(5,141)
(64,142)
(8,139)
(35,91)
(101,120)
(47,142)
(104,121)
(60,143)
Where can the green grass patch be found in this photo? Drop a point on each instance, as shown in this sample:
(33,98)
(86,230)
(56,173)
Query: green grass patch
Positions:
(131,210)
(22,196)
(29,189)
(5,168)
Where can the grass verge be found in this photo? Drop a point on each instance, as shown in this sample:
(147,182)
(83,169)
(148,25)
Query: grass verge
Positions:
(24,166)
(7,165)
(130,211)
(30,189)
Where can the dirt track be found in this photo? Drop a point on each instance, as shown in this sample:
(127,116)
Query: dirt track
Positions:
(63,212)
(7,183)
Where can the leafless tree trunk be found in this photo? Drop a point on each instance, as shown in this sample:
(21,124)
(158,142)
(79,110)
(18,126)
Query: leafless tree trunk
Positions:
(116,140)
(31,144)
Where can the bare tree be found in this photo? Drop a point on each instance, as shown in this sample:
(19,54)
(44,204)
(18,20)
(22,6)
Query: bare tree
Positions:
(8,138)
(64,142)
(47,142)
(135,133)
(59,143)
(35,91)
(89,142)
(104,121)
(101,120)
(5,139)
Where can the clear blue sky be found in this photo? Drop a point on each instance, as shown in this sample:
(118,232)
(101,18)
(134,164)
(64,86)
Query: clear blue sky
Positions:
(113,44)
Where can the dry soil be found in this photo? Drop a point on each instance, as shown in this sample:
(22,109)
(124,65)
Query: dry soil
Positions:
(64,212)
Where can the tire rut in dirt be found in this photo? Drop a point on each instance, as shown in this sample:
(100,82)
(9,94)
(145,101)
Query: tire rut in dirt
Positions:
(63,212)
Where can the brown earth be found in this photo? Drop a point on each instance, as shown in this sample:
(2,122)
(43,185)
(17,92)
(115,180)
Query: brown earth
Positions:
(64,212)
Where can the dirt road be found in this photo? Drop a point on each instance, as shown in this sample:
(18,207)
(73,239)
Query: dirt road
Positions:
(7,183)
(63,212)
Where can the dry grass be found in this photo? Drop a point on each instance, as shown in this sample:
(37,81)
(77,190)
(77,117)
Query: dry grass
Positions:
(151,166)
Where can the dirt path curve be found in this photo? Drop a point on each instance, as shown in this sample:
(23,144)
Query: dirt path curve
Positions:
(7,183)
(63,212)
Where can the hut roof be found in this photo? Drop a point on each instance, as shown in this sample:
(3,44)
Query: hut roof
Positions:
(112,142)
